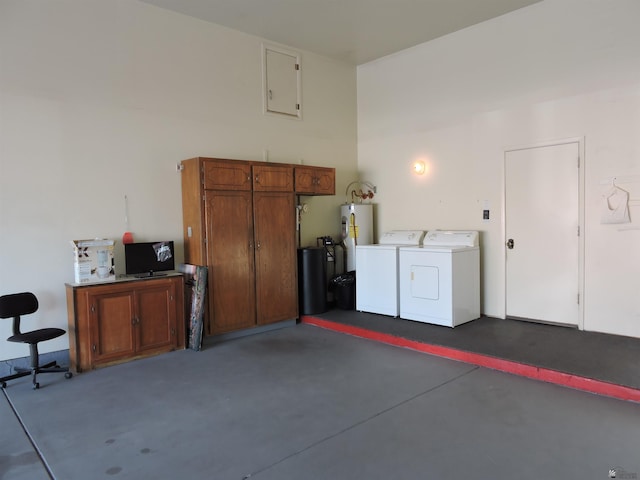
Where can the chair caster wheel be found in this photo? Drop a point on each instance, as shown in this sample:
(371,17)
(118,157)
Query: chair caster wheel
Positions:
(36,386)
(3,384)
(68,375)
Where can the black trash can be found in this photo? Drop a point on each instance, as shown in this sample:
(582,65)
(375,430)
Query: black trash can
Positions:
(312,281)
(344,290)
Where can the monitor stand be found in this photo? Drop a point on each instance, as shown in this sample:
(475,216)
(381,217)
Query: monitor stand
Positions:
(150,274)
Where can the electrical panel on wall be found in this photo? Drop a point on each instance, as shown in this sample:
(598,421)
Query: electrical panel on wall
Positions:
(281,82)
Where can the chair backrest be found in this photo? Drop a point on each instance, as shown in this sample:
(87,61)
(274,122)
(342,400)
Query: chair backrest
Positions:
(16,304)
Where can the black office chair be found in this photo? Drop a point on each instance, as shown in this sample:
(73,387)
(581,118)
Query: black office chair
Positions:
(13,306)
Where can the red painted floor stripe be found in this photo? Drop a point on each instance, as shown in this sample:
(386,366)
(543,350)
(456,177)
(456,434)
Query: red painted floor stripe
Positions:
(551,376)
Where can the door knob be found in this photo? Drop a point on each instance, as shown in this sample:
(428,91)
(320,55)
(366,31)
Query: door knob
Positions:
(510,243)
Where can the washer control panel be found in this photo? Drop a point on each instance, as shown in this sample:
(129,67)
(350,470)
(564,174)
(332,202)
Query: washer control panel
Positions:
(402,237)
(451,238)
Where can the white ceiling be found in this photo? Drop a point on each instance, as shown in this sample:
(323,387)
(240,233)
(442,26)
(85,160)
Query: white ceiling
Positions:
(353,31)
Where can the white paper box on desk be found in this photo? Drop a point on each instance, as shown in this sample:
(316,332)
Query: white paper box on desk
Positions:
(93,260)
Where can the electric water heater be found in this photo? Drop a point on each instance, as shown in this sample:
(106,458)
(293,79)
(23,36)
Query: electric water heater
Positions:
(357,229)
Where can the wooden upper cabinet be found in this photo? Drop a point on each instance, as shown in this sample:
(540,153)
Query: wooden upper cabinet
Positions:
(315,181)
(272,178)
(226,175)
(223,174)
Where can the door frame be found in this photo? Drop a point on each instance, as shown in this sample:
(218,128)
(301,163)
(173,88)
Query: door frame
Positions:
(581,215)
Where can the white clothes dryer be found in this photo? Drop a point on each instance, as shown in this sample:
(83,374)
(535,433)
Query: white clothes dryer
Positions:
(440,281)
(377,287)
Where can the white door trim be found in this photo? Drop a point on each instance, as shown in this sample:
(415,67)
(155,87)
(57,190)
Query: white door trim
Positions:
(581,216)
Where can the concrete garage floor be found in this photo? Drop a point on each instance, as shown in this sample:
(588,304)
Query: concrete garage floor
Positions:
(308,403)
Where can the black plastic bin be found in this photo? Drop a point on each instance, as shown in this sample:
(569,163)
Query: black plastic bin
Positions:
(312,281)
(344,290)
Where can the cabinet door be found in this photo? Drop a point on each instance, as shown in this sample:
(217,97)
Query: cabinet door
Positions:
(267,178)
(315,181)
(305,180)
(230,258)
(276,272)
(325,181)
(226,175)
(155,321)
(111,321)
(281,82)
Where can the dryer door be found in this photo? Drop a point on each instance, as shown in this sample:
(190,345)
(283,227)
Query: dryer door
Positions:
(425,286)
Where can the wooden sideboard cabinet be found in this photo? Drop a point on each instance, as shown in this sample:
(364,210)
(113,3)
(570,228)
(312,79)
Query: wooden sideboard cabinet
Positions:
(119,321)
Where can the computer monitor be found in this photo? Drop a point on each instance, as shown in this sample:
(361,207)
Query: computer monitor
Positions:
(149,259)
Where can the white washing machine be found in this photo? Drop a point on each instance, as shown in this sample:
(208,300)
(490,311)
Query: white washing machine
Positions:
(377,288)
(440,281)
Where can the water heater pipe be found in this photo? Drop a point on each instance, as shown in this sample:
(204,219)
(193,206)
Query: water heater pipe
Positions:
(359,193)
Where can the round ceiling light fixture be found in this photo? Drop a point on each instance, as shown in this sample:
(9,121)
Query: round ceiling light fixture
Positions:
(419,167)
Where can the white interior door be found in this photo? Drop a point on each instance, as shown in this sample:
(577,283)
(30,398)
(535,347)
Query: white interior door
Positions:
(542,236)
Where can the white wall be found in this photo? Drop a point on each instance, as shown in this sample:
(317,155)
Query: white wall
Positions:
(558,69)
(99,100)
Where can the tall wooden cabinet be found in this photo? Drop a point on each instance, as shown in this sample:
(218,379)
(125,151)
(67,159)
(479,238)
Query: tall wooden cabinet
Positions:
(239,220)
